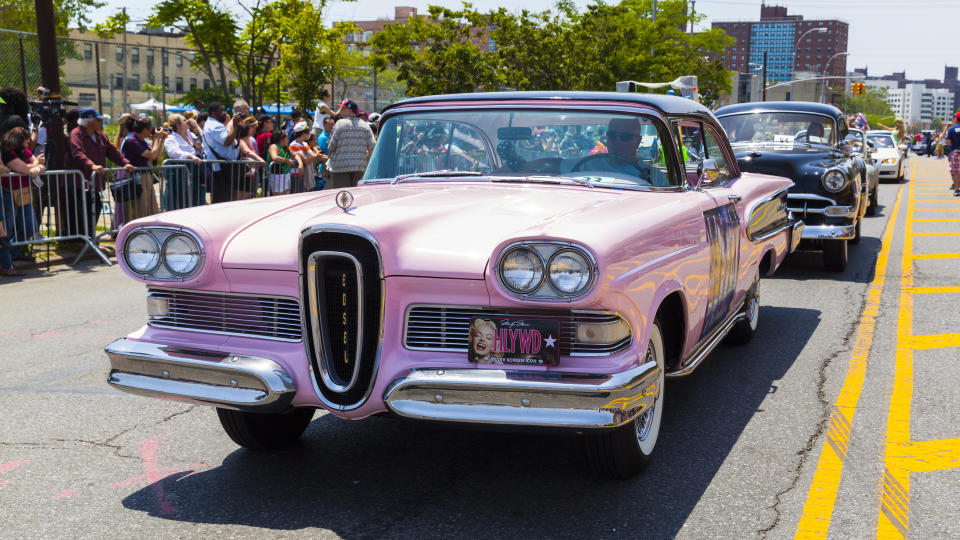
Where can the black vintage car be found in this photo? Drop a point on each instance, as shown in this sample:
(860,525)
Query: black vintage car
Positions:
(805,143)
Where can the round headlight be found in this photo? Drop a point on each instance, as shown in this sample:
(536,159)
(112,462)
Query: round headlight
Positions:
(181,254)
(522,270)
(569,272)
(834,181)
(142,253)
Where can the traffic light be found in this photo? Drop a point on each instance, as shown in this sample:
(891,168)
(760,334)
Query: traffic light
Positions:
(857,88)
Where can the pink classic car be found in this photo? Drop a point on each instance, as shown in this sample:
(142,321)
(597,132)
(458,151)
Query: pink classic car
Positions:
(517,259)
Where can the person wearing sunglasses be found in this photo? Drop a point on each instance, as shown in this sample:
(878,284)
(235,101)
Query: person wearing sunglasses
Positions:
(622,140)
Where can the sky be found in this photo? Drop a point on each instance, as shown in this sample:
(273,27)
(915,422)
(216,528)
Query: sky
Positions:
(886,36)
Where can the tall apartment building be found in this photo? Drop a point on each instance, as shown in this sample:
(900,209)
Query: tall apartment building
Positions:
(919,102)
(150,56)
(792,44)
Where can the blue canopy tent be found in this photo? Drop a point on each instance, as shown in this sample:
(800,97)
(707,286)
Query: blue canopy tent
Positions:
(180,108)
(271,108)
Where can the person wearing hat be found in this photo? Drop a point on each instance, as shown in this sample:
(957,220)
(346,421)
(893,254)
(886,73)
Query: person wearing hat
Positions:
(351,144)
(87,151)
(302,178)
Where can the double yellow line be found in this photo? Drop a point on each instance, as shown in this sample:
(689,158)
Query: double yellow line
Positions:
(818,509)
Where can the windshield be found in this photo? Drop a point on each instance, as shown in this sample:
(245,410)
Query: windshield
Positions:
(602,148)
(778,127)
(881,141)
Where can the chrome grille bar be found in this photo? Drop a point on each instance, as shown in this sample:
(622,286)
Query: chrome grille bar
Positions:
(447,328)
(245,315)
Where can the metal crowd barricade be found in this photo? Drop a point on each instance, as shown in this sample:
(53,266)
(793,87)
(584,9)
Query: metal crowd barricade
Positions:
(214,181)
(52,207)
(124,196)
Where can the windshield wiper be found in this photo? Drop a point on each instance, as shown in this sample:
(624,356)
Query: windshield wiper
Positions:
(543,180)
(445,173)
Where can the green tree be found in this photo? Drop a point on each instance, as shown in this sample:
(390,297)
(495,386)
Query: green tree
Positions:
(873,102)
(437,54)
(153,90)
(310,54)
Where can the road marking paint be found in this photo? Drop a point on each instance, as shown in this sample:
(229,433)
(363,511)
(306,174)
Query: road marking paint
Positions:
(66,494)
(894,516)
(935,341)
(155,475)
(935,290)
(822,497)
(929,456)
(928,256)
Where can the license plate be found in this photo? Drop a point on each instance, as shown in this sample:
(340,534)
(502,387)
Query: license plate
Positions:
(498,340)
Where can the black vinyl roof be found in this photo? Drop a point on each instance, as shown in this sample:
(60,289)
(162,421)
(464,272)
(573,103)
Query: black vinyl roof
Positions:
(666,104)
(788,106)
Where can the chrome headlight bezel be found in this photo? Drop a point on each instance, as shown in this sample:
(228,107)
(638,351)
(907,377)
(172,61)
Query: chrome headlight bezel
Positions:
(157,249)
(162,271)
(834,181)
(539,271)
(164,255)
(546,290)
(586,265)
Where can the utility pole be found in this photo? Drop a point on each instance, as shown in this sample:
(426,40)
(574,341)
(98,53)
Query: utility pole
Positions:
(96,55)
(125,83)
(50,77)
(163,80)
(693,10)
(764,82)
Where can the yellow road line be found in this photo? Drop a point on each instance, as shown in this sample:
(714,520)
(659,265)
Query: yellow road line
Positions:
(894,517)
(936,256)
(935,290)
(822,497)
(935,341)
(927,456)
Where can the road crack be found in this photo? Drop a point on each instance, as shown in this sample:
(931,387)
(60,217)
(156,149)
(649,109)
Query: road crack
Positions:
(825,407)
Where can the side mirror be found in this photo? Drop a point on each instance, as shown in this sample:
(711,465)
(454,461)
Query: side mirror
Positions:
(707,171)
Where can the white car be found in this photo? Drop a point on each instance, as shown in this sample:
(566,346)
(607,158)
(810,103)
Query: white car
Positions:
(888,156)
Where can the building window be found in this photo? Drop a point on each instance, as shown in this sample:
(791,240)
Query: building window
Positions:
(118,82)
(193,84)
(149,58)
(88,51)
(134,82)
(206,84)
(165,57)
(135,55)
(179,59)
(119,53)
(151,79)
(179,88)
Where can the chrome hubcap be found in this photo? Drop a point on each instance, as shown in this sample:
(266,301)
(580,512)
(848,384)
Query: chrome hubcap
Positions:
(645,420)
(753,303)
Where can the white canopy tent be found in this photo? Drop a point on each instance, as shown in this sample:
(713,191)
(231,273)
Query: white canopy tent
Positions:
(148,105)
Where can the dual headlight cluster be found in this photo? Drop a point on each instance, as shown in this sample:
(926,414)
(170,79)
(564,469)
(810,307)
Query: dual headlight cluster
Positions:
(160,253)
(549,271)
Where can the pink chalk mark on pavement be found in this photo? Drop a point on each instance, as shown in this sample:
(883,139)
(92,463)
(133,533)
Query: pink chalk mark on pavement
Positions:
(65,494)
(12,465)
(155,474)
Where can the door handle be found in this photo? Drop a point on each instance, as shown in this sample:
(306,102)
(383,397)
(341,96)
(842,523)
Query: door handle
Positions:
(734,198)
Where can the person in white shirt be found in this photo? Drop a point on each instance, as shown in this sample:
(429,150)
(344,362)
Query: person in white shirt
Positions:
(323,111)
(184,185)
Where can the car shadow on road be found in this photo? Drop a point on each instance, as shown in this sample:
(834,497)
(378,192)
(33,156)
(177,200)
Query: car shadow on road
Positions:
(808,265)
(385,477)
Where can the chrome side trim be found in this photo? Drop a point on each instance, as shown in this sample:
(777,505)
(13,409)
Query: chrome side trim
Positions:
(829,232)
(765,212)
(796,234)
(698,355)
(232,381)
(524,398)
(318,323)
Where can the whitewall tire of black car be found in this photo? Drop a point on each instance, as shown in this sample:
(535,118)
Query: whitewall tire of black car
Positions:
(625,451)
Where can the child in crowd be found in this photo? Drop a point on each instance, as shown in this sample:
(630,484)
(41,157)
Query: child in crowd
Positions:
(280,163)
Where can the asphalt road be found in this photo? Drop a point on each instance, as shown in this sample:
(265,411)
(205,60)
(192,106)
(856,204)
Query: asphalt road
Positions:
(741,445)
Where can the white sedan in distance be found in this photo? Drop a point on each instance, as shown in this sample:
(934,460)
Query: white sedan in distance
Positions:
(888,157)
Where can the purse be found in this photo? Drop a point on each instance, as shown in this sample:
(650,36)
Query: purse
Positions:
(21,196)
(126,189)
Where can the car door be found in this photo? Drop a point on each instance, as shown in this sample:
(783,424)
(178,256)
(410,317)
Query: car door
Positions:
(707,168)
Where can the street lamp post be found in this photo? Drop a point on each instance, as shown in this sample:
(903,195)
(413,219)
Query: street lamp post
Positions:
(826,70)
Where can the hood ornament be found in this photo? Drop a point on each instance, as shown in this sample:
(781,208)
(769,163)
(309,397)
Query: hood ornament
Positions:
(344,200)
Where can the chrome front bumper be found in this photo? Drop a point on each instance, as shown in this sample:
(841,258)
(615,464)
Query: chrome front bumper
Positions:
(232,381)
(524,398)
(829,232)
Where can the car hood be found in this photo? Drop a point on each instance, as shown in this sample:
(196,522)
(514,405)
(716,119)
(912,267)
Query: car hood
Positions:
(438,229)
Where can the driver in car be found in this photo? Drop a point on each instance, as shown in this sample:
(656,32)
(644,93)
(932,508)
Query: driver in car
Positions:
(623,139)
(815,133)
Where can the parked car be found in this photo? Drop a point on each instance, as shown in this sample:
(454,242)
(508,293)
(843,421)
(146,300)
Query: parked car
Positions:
(804,142)
(542,260)
(866,149)
(889,156)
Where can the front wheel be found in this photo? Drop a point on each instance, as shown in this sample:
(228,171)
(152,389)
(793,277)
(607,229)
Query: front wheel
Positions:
(745,329)
(856,233)
(258,431)
(625,451)
(835,255)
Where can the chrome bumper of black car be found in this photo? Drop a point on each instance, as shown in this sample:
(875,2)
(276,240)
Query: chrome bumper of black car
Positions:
(829,232)
(524,398)
(232,381)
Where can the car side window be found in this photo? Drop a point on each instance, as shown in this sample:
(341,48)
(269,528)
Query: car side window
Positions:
(714,153)
(688,140)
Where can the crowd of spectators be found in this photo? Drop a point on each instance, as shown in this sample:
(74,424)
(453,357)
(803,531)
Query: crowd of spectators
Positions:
(221,156)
